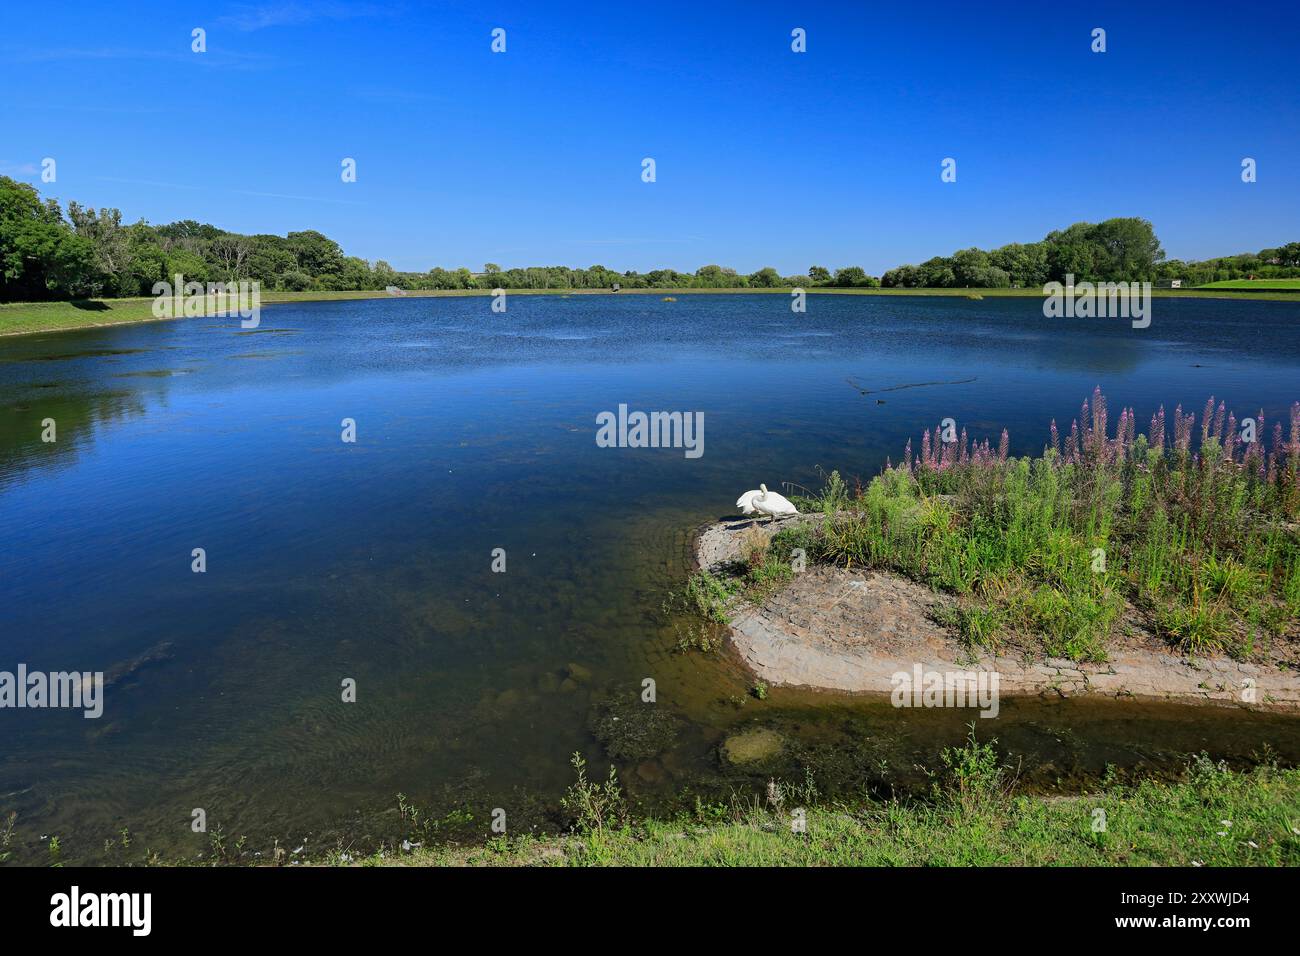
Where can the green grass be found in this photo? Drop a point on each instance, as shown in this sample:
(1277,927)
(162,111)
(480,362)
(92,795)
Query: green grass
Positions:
(18,318)
(25,317)
(973,818)
(1274,284)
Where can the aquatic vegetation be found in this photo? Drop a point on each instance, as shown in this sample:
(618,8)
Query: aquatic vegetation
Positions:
(596,807)
(765,565)
(1195,529)
(706,595)
(7,836)
(631,729)
(973,775)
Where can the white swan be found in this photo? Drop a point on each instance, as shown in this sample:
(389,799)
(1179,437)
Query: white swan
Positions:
(764,502)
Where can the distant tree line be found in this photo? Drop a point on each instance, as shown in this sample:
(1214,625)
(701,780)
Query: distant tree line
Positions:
(1280,263)
(45,254)
(88,253)
(1116,250)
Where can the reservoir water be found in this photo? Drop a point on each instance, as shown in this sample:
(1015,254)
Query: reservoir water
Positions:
(371,561)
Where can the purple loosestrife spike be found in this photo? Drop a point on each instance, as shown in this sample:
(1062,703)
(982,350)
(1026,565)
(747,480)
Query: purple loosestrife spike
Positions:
(1004,445)
(1183,430)
(1085,416)
(1099,413)
(1230,439)
(1275,454)
(1206,418)
(1056,439)
(1255,454)
(1218,423)
(1292,466)
(1258,444)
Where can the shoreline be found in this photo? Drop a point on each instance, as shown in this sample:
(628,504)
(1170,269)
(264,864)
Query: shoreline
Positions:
(844,631)
(67,316)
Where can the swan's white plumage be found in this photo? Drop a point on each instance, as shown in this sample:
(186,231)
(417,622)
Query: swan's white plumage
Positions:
(765,502)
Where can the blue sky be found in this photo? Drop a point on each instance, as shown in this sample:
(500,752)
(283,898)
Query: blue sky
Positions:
(764,156)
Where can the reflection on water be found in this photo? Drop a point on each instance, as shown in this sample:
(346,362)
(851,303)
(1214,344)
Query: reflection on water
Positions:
(477,431)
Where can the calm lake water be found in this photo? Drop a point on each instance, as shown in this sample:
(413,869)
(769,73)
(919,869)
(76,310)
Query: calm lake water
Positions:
(476,431)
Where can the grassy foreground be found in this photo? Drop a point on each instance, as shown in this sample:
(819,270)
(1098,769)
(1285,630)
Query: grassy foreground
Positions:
(17,318)
(1213,816)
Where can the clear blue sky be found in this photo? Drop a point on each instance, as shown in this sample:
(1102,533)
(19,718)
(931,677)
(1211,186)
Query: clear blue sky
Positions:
(765,157)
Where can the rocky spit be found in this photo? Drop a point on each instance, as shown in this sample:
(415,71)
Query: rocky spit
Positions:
(851,631)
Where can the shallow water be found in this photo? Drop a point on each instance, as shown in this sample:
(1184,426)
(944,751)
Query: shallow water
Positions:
(476,431)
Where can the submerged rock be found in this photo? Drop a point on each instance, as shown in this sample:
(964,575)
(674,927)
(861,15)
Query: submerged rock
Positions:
(751,746)
(578,673)
(651,771)
(508,698)
(162,651)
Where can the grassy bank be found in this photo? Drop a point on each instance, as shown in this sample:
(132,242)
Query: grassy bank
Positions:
(1264,285)
(1213,816)
(17,318)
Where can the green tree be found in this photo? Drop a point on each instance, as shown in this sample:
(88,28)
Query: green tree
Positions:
(316,254)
